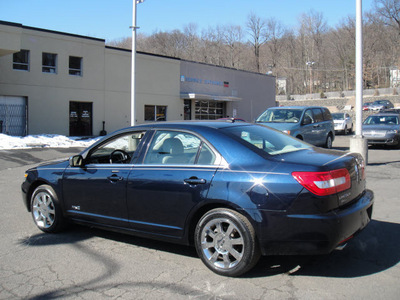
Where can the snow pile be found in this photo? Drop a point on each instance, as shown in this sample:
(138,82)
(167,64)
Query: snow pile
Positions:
(43,141)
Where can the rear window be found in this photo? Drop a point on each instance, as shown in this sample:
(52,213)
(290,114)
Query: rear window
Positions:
(266,139)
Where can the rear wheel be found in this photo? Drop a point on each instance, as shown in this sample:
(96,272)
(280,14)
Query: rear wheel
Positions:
(45,209)
(329,141)
(226,243)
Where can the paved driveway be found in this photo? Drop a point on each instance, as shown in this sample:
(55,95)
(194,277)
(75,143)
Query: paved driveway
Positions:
(85,263)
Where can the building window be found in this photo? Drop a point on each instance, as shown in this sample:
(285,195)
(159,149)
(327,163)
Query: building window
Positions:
(155,113)
(75,65)
(21,60)
(49,62)
(208,110)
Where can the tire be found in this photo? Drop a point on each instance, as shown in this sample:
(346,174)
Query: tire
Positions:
(45,210)
(328,143)
(226,242)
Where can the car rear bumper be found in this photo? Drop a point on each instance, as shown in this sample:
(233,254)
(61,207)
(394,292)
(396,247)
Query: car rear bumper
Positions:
(283,234)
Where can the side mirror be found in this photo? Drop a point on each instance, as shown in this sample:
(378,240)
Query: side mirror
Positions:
(76,161)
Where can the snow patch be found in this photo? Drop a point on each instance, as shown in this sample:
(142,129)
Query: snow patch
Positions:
(43,141)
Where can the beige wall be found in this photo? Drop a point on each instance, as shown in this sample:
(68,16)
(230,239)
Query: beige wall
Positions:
(105,81)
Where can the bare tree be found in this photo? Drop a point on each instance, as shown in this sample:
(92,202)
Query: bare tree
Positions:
(257,30)
(389,10)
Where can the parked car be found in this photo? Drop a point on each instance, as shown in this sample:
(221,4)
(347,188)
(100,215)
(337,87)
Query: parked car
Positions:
(233,190)
(366,105)
(343,122)
(312,124)
(391,110)
(380,105)
(382,129)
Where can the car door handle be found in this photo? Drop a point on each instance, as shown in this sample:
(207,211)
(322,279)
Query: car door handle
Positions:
(115,178)
(195,180)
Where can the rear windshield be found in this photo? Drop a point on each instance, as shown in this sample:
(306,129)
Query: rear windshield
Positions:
(263,138)
(284,115)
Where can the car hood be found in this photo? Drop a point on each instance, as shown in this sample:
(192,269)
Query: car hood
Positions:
(380,127)
(59,163)
(281,126)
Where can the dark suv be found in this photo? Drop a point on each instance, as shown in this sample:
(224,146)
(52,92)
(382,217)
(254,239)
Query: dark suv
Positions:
(312,124)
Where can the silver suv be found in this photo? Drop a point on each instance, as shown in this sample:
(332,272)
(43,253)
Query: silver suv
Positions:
(312,124)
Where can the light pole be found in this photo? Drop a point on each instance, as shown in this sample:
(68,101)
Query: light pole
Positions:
(358,143)
(133,66)
(310,64)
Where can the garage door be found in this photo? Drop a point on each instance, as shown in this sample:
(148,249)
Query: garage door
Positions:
(13,115)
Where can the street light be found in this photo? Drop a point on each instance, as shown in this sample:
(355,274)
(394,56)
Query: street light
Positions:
(133,68)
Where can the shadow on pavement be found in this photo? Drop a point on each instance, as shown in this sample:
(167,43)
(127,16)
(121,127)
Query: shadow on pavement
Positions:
(372,251)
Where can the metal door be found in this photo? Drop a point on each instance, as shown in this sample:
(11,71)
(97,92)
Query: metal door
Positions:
(13,115)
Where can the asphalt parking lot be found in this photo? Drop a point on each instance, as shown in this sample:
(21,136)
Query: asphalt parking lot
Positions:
(85,263)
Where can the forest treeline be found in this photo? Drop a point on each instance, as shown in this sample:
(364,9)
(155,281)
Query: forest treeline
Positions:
(313,57)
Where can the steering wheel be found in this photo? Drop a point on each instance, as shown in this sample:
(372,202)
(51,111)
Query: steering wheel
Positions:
(119,157)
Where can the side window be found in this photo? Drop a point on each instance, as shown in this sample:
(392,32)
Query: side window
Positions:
(117,150)
(308,117)
(317,115)
(178,148)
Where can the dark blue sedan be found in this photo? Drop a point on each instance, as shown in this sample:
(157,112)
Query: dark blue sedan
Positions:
(234,190)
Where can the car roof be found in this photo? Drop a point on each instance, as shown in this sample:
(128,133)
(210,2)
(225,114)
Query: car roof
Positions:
(295,107)
(385,115)
(188,125)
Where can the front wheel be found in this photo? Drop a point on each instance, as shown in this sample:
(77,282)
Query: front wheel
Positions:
(226,242)
(45,209)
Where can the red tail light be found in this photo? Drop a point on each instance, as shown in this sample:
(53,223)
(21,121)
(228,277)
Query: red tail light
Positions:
(324,183)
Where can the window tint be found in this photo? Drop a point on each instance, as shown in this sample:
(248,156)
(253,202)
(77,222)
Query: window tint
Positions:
(21,60)
(155,113)
(327,114)
(317,115)
(75,65)
(268,140)
(117,150)
(49,62)
(178,148)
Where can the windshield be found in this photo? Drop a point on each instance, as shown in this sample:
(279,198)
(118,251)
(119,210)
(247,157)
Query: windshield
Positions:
(382,120)
(284,115)
(270,141)
(338,116)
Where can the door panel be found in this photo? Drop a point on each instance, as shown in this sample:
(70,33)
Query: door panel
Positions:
(176,175)
(97,193)
(160,198)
